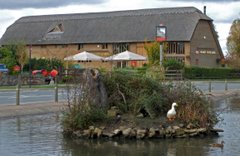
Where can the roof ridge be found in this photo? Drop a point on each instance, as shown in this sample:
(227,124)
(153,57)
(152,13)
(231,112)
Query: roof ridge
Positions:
(109,14)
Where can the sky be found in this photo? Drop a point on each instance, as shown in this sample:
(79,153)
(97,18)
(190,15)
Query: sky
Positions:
(223,12)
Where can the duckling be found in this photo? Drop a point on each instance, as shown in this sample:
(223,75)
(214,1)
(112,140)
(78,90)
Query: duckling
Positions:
(171,114)
(219,145)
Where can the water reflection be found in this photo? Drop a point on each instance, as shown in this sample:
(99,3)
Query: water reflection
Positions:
(42,135)
(23,136)
(169,147)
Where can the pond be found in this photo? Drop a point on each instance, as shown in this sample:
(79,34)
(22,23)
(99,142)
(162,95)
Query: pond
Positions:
(42,135)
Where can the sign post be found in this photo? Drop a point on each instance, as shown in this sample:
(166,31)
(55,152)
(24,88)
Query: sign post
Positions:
(30,68)
(161,36)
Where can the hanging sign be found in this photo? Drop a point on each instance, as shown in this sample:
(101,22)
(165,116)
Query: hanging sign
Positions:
(161,34)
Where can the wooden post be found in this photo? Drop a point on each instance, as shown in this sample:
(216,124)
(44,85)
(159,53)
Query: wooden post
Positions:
(18,95)
(210,86)
(56,90)
(226,85)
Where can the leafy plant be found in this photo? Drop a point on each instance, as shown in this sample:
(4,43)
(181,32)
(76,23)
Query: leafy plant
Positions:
(81,110)
(139,92)
(233,44)
(172,64)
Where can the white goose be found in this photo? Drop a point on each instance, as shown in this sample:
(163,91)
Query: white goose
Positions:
(171,114)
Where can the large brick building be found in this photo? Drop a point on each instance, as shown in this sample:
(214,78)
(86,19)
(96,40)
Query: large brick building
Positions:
(190,34)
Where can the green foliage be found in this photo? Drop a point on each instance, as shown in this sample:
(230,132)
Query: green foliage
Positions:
(82,113)
(138,90)
(233,44)
(21,54)
(153,53)
(210,73)
(67,79)
(48,64)
(156,98)
(172,64)
(16,54)
(192,105)
(133,92)
(233,40)
(8,56)
(78,119)
(155,72)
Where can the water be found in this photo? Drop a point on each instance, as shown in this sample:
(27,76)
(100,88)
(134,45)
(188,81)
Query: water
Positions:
(42,135)
(37,135)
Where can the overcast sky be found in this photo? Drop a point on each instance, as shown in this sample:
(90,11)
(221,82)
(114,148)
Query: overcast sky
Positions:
(223,12)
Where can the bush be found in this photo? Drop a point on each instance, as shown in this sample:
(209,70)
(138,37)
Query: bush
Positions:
(210,73)
(81,112)
(47,64)
(135,92)
(67,79)
(172,64)
(80,119)
(193,106)
(132,93)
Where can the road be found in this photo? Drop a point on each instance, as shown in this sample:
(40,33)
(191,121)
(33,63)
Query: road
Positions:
(28,96)
(217,85)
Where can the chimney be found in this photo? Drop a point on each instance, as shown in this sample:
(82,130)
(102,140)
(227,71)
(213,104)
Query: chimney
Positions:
(204,10)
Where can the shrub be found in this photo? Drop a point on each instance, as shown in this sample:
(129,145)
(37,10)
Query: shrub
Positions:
(135,92)
(210,73)
(81,111)
(132,93)
(80,119)
(193,106)
(172,64)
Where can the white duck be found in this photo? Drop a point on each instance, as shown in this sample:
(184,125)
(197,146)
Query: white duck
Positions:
(171,114)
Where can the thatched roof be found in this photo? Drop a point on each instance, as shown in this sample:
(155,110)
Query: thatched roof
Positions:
(105,27)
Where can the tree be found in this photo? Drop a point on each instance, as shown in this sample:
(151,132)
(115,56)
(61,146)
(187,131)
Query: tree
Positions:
(8,56)
(233,44)
(21,55)
(153,52)
(154,69)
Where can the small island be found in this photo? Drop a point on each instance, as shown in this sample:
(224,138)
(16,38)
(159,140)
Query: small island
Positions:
(119,104)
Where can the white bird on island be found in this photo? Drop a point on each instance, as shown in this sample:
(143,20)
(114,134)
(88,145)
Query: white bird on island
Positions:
(171,114)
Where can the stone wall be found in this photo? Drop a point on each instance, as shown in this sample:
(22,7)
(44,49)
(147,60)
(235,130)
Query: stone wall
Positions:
(159,132)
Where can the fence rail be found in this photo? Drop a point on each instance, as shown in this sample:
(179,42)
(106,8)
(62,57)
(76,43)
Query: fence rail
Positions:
(173,75)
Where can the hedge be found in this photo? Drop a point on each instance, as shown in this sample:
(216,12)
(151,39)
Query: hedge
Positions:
(211,73)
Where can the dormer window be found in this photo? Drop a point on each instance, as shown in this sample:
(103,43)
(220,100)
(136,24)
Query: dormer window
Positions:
(57,29)
(54,32)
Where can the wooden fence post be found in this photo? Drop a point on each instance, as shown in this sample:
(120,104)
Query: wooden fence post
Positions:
(18,92)
(210,86)
(226,85)
(56,89)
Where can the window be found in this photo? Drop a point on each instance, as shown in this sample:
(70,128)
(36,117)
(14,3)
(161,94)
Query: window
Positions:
(54,32)
(175,48)
(57,29)
(196,61)
(120,47)
(64,45)
(104,46)
(80,46)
